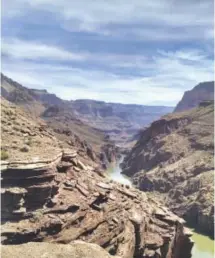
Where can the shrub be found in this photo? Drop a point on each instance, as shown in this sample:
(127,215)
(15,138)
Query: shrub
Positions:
(16,128)
(4,155)
(25,149)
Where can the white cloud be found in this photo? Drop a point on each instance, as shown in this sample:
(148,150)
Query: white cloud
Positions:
(66,84)
(190,54)
(102,12)
(31,50)
(161,76)
(195,17)
(169,77)
(185,65)
(22,49)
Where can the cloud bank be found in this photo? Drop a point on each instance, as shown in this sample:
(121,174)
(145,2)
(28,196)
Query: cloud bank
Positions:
(143,52)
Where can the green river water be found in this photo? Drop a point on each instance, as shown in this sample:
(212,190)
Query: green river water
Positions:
(203,247)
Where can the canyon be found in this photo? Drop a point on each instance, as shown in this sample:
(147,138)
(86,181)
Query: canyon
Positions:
(57,196)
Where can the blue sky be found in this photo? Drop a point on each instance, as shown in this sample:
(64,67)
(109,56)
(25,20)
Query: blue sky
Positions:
(142,52)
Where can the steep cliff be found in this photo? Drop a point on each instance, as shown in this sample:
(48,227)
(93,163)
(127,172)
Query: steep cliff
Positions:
(56,194)
(203,91)
(174,157)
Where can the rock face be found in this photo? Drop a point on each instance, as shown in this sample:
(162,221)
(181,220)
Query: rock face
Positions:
(203,91)
(174,157)
(109,153)
(55,194)
(88,207)
(27,173)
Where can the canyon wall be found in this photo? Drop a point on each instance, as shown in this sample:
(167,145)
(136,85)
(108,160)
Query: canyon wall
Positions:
(174,158)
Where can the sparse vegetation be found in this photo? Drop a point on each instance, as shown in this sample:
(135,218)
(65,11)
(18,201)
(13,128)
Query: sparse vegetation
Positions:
(16,123)
(16,128)
(4,155)
(25,149)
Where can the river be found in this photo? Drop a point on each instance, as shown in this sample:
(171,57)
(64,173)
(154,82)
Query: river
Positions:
(203,247)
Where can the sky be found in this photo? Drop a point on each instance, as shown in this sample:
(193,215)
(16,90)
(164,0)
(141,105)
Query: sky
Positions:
(140,52)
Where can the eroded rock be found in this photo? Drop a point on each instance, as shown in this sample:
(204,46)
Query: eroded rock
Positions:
(79,204)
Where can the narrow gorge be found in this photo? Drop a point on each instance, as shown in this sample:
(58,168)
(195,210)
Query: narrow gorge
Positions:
(69,186)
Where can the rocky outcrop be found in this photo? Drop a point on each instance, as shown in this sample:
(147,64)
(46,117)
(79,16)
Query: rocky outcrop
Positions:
(54,192)
(77,249)
(109,154)
(162,127)
(26,186)
(174,157)
(90,208)
(202,92)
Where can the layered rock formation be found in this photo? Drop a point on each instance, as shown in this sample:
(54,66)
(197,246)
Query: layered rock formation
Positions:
(56,194)
(175,158)
(119,121)
(203,91)
(29,154)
